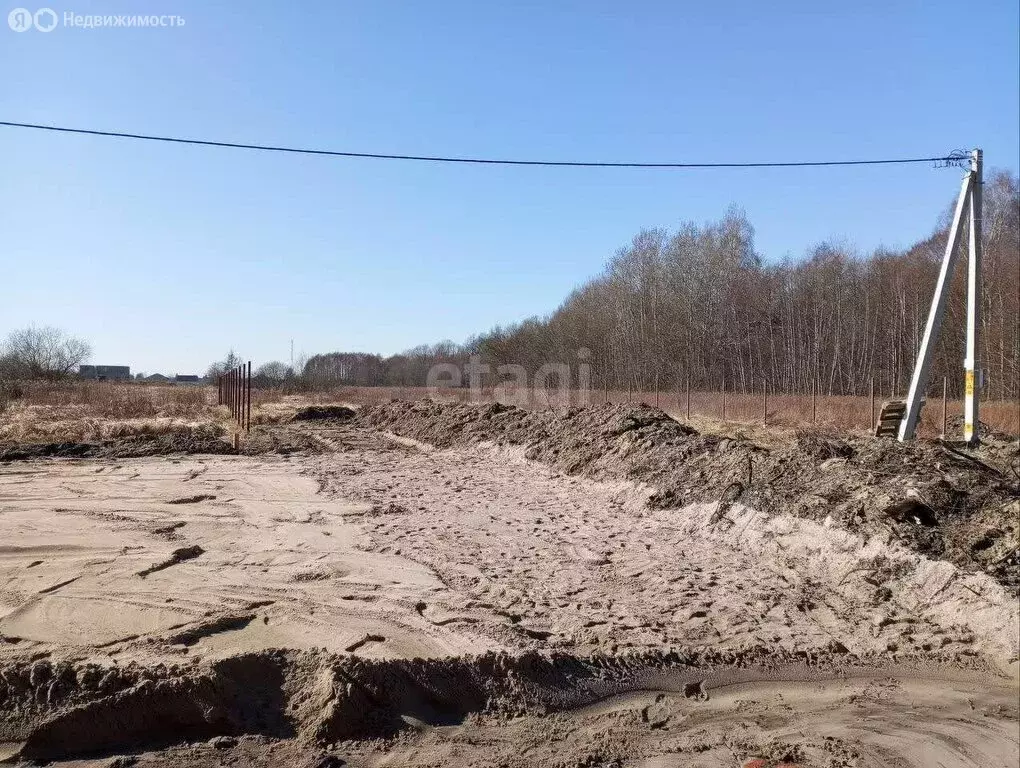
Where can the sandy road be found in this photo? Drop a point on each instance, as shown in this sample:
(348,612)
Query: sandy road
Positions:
(587,566)
(388,551)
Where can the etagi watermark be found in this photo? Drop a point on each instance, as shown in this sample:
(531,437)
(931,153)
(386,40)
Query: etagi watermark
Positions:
(553,383)
(46,20)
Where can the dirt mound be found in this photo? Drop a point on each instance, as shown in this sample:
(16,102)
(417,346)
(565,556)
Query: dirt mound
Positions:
(261,441)
(941,501)
(65,710)
(320,412)
(121,448)
(955,424)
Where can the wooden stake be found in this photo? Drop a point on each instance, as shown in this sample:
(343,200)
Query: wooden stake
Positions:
(656,389)
(724,399)
(764,402)
(814,404)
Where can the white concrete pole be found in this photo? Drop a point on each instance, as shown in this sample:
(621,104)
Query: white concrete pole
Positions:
(972,363)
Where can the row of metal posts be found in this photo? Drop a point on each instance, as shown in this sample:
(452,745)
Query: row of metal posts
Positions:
(765,400)
(234,390)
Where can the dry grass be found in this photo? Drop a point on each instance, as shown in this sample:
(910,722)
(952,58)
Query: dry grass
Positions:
(78,411)
(75,411)
(103,399)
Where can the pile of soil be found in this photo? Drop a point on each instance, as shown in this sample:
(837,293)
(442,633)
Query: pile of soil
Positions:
(940,500)
(65,709)
(260,441)
(321,412)
(120,448)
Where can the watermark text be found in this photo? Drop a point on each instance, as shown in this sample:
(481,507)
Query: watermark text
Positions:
(47,19)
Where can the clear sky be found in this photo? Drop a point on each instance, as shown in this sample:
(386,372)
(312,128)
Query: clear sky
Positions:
(166,256)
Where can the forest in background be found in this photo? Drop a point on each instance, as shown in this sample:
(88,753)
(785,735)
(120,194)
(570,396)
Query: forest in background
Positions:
(702,304)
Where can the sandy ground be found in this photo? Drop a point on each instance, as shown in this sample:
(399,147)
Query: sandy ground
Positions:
(383,550)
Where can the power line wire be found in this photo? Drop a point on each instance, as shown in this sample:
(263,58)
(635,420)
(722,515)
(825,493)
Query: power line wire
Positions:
(466,160)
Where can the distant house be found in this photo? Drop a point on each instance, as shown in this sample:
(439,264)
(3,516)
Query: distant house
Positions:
(157,378)
(105,372)
(181,378)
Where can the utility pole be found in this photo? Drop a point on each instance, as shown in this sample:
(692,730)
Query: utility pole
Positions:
(970,196)
(972,370)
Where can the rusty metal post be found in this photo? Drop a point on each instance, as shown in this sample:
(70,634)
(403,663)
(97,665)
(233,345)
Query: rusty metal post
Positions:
(814,402)
(945,403)
(656,389)
(688,395)
(765,402)
(240,394)
(724,399)
(247,425)
(872,425)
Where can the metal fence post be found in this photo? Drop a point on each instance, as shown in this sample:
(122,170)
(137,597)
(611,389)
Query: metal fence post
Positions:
(872,425)
(247,425)
(688,395)
(945,404)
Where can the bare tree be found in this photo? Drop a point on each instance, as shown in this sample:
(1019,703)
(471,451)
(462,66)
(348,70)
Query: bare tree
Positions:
(701,304)
(272,374)
(43,353)
(231,361)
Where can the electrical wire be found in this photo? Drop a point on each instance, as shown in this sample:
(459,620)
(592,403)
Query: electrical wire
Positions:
(466,160)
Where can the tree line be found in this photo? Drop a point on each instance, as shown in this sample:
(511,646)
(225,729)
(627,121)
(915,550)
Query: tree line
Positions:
(701,304)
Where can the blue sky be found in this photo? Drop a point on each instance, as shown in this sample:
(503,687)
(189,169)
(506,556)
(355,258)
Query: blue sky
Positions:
(165,256)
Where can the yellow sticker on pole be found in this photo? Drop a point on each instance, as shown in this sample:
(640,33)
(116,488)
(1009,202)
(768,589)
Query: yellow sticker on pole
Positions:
(969,383)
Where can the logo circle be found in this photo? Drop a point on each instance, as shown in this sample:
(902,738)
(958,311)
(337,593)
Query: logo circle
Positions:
(20,19)
(45,19)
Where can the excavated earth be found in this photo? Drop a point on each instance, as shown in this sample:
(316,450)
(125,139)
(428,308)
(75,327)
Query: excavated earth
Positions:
(418,584)
(935,497)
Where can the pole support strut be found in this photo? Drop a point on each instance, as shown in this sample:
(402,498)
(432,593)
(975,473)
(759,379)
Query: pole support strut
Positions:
(969,201)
